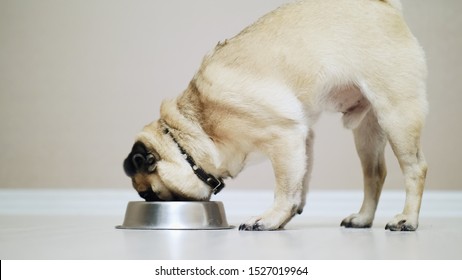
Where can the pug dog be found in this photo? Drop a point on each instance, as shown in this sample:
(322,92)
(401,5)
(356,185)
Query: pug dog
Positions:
(263,90)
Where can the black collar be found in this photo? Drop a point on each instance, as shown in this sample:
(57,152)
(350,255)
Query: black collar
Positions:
(216,184)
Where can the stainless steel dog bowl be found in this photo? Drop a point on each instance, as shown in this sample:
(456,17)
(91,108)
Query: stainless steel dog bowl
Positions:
(175,215)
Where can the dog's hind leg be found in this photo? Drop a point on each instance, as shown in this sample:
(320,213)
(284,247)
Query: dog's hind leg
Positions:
(401,108)
(404,137)
(370,141)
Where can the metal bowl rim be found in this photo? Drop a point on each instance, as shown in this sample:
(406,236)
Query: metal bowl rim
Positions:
(223,226)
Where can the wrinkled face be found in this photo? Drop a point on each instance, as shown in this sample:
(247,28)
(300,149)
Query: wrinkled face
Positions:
(159,172)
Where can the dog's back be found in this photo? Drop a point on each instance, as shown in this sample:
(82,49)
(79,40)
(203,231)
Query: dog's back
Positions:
(315,45)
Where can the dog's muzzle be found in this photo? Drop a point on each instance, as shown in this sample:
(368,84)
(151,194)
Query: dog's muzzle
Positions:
(149,195)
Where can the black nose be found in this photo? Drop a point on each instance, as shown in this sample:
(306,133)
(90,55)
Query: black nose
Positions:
(149,195)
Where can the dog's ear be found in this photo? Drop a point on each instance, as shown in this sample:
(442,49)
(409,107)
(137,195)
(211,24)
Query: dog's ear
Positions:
(139,160)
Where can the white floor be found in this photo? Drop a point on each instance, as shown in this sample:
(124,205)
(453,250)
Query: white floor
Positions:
(80,225)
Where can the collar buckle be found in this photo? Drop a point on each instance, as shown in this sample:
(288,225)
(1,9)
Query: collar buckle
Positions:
(216,184)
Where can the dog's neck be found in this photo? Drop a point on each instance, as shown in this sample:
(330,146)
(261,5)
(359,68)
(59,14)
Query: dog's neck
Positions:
(192,125)
(216,184)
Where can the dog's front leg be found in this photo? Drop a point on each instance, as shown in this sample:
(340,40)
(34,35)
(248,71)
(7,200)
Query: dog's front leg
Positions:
(288,156)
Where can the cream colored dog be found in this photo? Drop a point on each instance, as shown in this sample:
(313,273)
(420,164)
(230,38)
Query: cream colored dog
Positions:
(262,91)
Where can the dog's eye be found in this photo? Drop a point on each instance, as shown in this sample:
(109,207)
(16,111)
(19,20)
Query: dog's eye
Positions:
(150,159)
(151,162)
(152,168)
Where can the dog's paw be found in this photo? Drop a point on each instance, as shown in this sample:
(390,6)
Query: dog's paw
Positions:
(272,220)
(251,227)
(357,221)
(403,222)
(259,224)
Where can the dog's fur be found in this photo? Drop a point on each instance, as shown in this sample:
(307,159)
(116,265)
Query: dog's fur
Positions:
(262,91)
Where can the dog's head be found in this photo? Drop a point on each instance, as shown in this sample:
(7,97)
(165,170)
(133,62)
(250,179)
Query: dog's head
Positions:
(158,170)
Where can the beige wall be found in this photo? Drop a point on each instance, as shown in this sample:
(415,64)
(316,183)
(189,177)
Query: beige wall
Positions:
(79,78)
